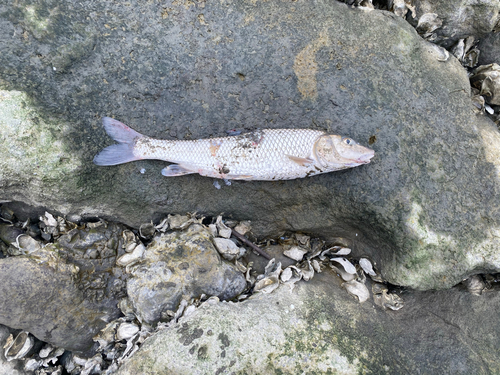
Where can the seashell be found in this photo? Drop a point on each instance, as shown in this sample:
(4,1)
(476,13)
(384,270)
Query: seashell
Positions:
(27,244)
(272,268)
(243,227)
(378,288)
(216,184)
(126,308)
(48,220)
(303,240)
(316,266)
(388,300)
(19,347)
(45,351)
(486,78)
(335,250)
(240,266)
(428,23)
(348,266)
(163,226)
(126,331)
(107,335)
(307,273)
(342,273)
(267,284)
(295,253)
(92,365)
(366,265)
(32,364)
(475,285)
(227,248)
(399,8)
(224,231)
(180,221)
(213,229)
(147,230)
(357,289)
(129,258)
(286,275)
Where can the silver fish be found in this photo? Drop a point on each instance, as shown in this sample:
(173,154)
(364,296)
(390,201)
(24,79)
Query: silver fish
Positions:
(268,154)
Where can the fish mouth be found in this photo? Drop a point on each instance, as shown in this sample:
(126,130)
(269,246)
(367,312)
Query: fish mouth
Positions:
(365,159)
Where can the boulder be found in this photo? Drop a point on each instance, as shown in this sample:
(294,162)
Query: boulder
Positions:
(425,209)
(319,328)
(490,49)
(181,264)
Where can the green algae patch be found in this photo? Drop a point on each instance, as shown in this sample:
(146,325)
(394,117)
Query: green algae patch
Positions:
(30,145)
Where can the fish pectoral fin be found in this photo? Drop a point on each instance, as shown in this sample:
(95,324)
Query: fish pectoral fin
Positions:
(238,177)
(175,170)
(301,161)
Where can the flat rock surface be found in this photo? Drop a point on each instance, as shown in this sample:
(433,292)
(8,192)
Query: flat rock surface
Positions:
(319,328)
(426,209)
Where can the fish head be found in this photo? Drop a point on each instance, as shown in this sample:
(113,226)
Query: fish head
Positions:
(337,152)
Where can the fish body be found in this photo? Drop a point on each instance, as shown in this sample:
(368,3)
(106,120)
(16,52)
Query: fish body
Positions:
(267,154)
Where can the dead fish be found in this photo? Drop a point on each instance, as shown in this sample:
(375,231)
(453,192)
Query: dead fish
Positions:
(268,154)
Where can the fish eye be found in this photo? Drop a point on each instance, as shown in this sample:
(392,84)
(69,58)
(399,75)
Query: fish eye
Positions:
(348,141)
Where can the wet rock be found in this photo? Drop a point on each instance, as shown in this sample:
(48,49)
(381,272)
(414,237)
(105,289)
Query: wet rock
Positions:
(457,19)
(368,75)
(490,49)
(41,294)
(176,265)
(275,333)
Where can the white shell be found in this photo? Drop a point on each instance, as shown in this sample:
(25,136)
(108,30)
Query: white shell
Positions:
(344,275)
(134,256)
(267,284)
(224,231)
(295,253)
(27,244)
(227,248)
(272,268)
(286,275)
(213,230)
(366,265)
(126,331)
(20,346)
(163,226)
(348,266)
(357,289)
(316,265)
(49,220)
(243,227)
(307,273)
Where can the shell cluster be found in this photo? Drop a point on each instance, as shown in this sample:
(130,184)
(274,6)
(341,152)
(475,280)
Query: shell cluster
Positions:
(301,257)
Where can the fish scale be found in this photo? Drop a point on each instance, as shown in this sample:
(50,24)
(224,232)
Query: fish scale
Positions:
(268,154)
(238,156)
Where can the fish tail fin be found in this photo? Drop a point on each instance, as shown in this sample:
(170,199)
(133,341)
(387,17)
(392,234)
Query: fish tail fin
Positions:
(123,152)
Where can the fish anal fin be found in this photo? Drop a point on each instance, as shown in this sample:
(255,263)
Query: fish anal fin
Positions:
(301,161)
(174,170)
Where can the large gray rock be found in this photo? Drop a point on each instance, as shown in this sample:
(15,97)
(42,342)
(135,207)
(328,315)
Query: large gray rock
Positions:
(490,49)
(459,18)
(181,264)
(426,208)
(40,294)
(319,328)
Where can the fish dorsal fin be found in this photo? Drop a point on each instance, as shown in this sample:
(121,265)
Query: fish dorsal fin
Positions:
(304,162)
(175,170)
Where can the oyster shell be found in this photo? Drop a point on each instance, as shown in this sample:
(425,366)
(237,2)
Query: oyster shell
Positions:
(475,285)
(428,23)
(126,331)
(367,267)
(224,231)
(357,289)
(388,300)
(243,227)
(130,258)
(296,253)
(19,347)
(227,248)
(486,78)
(267,284)
(348,266)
